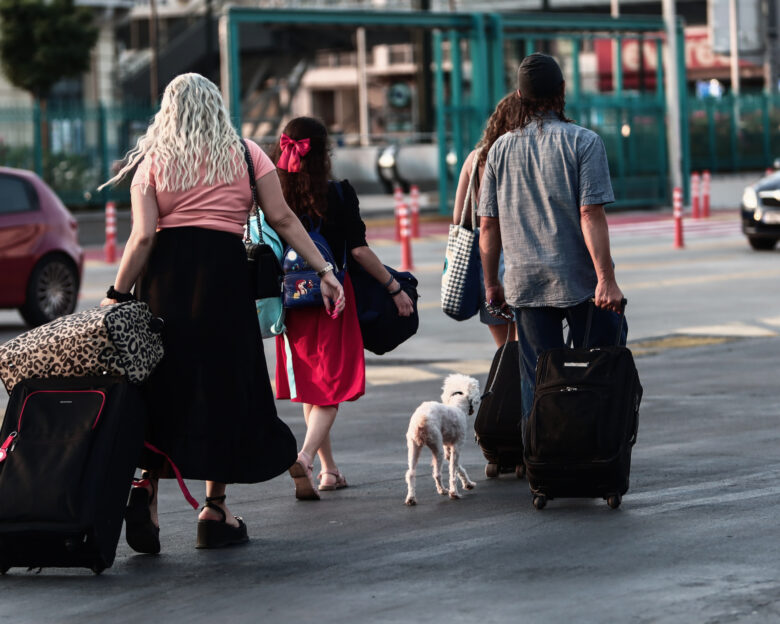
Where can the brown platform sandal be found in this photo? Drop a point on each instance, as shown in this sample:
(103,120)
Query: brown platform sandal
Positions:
(218,533)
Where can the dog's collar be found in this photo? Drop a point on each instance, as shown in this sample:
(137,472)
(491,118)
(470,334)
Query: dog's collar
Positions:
(471,405)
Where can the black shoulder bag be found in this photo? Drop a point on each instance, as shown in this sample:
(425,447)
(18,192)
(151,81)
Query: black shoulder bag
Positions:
(265,272)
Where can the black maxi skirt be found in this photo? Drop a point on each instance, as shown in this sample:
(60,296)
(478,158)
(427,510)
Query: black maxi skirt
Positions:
(212,410)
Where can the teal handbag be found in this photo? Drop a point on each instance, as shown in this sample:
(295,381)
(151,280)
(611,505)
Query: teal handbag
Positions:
(270,311)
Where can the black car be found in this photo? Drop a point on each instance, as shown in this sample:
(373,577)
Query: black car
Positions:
(761,212)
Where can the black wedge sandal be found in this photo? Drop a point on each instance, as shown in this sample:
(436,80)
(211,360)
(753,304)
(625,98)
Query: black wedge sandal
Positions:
(218,533)
(141,533)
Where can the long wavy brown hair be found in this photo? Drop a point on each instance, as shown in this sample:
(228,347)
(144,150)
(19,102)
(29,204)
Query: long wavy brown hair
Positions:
(505,117)
(534,109)
(306,191)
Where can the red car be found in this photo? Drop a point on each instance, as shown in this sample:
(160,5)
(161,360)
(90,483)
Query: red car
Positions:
(41,261)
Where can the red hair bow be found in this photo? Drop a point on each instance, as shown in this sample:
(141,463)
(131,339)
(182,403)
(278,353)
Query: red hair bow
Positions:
(292,152)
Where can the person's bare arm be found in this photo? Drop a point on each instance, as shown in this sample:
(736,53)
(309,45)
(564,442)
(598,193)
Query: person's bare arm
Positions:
(460,192)
(489,251)
(288,226)
(593,221)
(139,244)
(366,258)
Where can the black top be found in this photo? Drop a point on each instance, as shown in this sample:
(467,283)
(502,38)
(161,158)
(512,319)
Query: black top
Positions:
(342,224)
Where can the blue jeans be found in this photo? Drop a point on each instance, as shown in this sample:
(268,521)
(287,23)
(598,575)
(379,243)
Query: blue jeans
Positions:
(539,329)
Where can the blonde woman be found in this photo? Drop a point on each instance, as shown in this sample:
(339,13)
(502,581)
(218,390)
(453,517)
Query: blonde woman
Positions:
(212,408)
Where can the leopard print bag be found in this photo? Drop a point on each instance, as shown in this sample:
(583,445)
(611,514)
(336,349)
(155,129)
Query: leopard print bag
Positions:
(118,339)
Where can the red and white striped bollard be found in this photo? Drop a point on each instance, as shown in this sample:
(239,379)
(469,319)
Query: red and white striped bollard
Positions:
(695,190)
(110,246)
(677,199)
(406,239)
(705,193)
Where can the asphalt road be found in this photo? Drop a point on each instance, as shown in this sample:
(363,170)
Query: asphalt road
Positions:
(696,539)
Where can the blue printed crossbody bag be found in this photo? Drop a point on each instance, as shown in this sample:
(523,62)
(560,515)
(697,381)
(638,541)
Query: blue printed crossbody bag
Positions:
(301,284)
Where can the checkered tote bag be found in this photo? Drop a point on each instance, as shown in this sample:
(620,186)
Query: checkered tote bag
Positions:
(460,292)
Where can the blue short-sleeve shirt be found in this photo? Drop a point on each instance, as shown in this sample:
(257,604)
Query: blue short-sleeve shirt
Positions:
(535,181)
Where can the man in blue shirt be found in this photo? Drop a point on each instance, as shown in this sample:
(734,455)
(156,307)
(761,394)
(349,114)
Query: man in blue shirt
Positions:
(542,200)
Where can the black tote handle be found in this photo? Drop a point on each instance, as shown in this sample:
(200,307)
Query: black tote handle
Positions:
(255,204)
(588,323)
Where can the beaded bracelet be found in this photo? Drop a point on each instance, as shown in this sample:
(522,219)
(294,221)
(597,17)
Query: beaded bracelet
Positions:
(395,292)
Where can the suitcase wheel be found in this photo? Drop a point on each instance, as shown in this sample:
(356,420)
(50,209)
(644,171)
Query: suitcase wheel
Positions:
(540,500)
(614,501)
(520,471)
(491,471)
(98,568)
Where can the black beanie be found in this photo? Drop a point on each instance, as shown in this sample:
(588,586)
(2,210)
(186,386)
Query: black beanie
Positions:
(539,76)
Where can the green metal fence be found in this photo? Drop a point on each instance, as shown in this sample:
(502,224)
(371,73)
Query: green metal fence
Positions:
(731,134)
(72,148)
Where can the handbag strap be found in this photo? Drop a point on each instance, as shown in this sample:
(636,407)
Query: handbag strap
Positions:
(255,204)
(470,203)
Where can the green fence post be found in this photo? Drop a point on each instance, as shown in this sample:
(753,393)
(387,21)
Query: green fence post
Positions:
(479,82)
(235,68)
(105,167)
(530,44)
(766,135)
(711,138)
(441,122)
(456,95)
(575,70)
(663,174)
(617,83)
(496,61)
(733,124)
(685,126)
(37,139)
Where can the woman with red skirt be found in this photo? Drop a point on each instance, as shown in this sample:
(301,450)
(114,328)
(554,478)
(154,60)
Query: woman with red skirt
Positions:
(319,358)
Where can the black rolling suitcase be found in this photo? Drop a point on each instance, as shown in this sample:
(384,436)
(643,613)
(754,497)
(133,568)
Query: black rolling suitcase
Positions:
(68,451)
(497,425)
(583,423)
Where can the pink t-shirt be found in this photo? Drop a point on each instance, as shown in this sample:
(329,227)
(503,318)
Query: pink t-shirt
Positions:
(218,207)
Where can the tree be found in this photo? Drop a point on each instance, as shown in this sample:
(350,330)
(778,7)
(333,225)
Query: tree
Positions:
(43,42)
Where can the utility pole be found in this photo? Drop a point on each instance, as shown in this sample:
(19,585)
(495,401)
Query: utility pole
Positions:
(734,45)
(672,95)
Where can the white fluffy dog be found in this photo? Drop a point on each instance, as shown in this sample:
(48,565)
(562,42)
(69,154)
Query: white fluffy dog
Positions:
(442,428)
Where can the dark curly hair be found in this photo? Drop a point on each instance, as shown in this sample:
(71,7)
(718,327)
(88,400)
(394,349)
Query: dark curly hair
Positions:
(505,117)
(306,191)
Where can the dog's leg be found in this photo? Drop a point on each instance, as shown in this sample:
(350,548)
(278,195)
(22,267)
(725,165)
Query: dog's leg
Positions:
(464,477)
(454,464)
(435,444)
(411,478)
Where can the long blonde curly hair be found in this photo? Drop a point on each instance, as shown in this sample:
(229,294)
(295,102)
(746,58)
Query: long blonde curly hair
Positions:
(191,130)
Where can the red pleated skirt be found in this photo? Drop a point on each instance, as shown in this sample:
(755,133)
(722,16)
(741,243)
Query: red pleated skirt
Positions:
(319,360)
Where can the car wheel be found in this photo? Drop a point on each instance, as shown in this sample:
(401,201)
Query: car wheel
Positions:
(762,244)
(52,291)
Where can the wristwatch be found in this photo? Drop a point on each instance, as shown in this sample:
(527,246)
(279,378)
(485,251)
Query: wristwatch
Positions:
(325,269)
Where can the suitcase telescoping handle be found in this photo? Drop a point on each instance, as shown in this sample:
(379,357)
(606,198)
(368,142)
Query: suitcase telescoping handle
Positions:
(592,307)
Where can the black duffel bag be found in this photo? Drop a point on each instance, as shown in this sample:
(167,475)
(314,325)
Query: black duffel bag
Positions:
(380,324)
